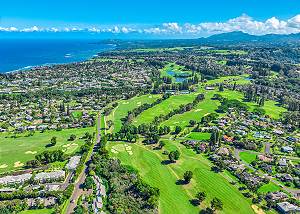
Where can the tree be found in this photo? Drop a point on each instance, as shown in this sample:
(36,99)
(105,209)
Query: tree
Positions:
(174,155)
(53,141)
(161,144)
(79,209)
(221,87)
(32,164)
(192,122)
(178,129)
(201,196)
(187,176)
(72,137)
(216,204)
(89,182)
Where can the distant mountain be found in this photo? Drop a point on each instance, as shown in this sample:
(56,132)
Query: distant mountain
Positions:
(238,36)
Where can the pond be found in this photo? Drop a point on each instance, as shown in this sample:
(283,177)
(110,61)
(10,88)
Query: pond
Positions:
(179,79)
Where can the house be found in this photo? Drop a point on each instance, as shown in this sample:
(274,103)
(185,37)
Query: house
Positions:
(209,88)
(282,162)
(45,176)
(267,168)
(223,151)
(264,158)
(287,208)
(7,190)
(12,179)
(227,138)
(278,132)
(287,178)
(292,139)
(73,162)
(277,196)
(287,149)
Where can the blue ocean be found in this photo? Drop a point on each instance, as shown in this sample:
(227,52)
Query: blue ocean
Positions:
(20,54)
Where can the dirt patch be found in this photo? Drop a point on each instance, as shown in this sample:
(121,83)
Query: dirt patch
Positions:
(18,164)
(30,152)
(3,166)
(257,210)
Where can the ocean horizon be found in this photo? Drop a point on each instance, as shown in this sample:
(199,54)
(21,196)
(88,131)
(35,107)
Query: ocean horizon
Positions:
(23,54)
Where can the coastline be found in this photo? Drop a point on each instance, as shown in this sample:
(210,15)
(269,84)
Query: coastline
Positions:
(27,68)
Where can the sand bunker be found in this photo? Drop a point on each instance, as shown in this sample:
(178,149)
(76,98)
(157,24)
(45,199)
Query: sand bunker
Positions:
(121,148)
(139,103)
(31,152)
(114,151)
(125,103)
(199,109)
(3,166)
(150,96)
(18,164)
(70,144)
(257,210)
(206,114)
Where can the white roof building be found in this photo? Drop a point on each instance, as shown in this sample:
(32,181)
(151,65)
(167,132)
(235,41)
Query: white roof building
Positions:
(11,179)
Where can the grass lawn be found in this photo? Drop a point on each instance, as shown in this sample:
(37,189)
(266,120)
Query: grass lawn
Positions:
(25,148)
(247,157)
(163,108)
(270,187)
(175,198)
(204,107)
(199,136)
(241,79)
(77,114)
(270,106)
(127,105)
(38,211)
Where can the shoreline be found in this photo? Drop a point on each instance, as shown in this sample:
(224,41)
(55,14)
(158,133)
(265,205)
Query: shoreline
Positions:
(110,47)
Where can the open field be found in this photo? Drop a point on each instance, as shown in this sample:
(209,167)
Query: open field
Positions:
(241,79)
(38,211)
(270,106)
(149,164)
(163,108)
(199,136)
(224,52)
(270,187)
(247,157)
(203,108)
(127,105)
(25,148)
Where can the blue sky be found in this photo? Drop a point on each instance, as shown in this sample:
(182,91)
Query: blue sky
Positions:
(170,18)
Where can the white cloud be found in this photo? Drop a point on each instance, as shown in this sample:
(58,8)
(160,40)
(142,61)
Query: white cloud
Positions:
(172,27)
(294,22)
(243,23)
(31,29)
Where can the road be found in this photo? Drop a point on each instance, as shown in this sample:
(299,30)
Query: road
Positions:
(81,178)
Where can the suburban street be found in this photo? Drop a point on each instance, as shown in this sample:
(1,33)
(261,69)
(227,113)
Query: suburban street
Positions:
(77,190)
